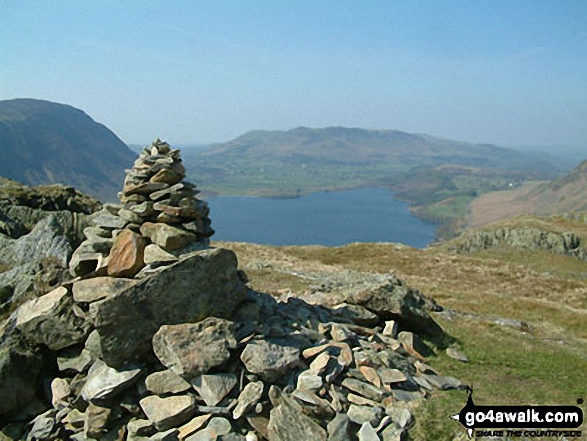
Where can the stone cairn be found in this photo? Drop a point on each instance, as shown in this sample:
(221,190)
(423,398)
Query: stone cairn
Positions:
(159,338)
(159,216)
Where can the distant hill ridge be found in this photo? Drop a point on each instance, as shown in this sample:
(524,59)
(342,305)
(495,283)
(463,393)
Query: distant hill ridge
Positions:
(44,142)
(364,146)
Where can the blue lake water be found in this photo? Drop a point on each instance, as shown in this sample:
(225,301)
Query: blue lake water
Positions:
(330,218)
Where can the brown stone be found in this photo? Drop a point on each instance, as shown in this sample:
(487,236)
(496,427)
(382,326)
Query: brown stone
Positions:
(127,254)
(166,176)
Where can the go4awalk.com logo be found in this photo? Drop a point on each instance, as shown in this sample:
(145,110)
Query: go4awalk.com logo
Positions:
(517,421)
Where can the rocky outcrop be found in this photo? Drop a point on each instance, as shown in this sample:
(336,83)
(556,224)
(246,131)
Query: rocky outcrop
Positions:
(566,243)
(39,228)
(180,349)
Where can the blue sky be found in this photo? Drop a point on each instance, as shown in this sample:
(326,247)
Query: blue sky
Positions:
(504,72)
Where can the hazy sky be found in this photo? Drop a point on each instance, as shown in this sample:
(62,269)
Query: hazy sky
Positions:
(506,72)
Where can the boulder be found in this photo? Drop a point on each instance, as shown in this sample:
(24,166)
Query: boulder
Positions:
(51,320)
(170,412)
(192,349)
(287,422)
(201,284)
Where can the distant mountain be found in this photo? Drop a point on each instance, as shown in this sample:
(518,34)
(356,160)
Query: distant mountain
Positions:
(564,194)
(43,142)
(353,146)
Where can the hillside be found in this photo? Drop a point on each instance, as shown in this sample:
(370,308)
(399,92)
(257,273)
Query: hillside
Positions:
(517,314)
(563,195)
(44,143)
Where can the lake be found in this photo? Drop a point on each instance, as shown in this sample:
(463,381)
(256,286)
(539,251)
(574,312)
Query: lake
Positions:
(329,218)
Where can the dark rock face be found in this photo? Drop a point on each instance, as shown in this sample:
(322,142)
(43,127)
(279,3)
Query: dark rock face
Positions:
(45,143)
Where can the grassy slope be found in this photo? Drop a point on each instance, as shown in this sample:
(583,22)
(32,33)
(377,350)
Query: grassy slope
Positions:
(540,361)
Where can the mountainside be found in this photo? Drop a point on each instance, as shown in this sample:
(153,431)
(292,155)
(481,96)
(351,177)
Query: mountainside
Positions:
(354,146)
(44,143)
(565,194)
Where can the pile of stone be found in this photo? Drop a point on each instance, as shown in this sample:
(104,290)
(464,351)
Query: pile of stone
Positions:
(186,351)
(159,217)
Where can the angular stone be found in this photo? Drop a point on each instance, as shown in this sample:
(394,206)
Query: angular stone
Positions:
(367,433)
(43,427)
(166,382)
(320,363)
(413,345)
(166,413)
(50,320)
(194,425)
(365,414)
(443,383)
(361,401)
(371,375)
(287,422)
(456,354)
(83,263)
(127,255)
(213,388)
(144,189)
(155,255)
(108,221)
(358,314)
(390,328)
(271,358)
(166,236)
(248,398)
(340,332)
(202,284)
(309,381)
(60,390)
(144,209)
(98,288)
(167,176)
(338,428)
(365,389)
(192,349)
(389,376)
(96,420)
(104,382)
(130,216)
(96,232)
(140,428)
(400,416)
(171,190)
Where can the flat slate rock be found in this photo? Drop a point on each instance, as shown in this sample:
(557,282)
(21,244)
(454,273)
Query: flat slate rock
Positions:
(104,382)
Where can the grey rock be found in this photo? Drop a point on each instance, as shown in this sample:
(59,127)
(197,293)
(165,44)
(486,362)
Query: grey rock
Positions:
(400,416)
(192,349)
(166,236)
(60,390)
(365,414)
(104,382)
(365,389)
(392,433)
(139,427)
(270,359)
(338,428)
(50,320)
(105,220)
(248,398)
(457,354)
(443,383)
(213,388)
(308,380)
(166,382)
(43,427)
(98,288)
(166,413)
(367,433)
(287,422)
(200,285)
(96,420)
(155,255)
